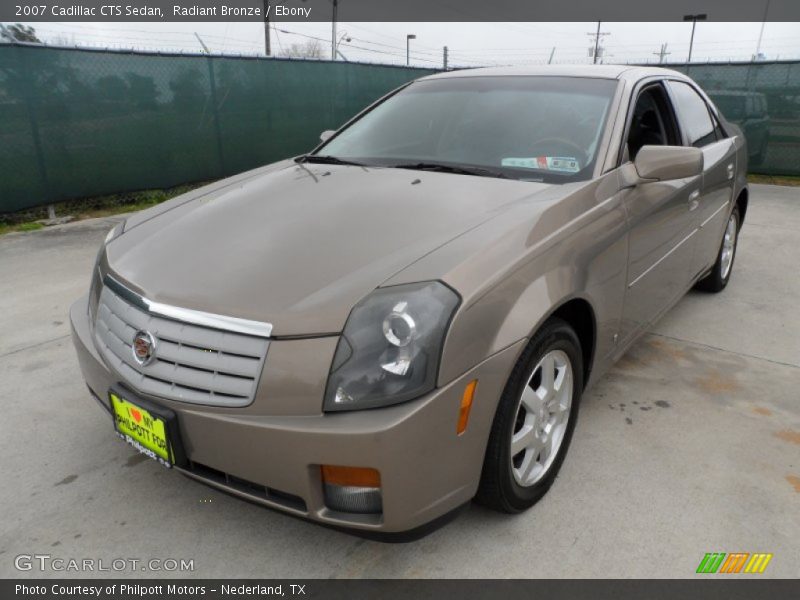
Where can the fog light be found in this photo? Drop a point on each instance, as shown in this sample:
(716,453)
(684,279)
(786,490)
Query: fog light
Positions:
(352,489)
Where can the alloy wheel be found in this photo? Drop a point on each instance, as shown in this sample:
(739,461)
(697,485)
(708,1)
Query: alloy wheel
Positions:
(728,247)
(542,417)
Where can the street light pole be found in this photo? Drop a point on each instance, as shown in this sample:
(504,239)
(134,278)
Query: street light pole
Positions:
(333,28)
(761,33)
(409,37)
(342,37)
(694,19)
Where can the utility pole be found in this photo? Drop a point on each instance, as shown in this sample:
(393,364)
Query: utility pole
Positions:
(598,49)
(333,28)
(267,44)
(694,19)
(662,53)
(444,58)
(596,43)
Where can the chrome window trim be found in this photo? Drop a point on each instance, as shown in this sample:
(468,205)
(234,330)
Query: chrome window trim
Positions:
(188,315)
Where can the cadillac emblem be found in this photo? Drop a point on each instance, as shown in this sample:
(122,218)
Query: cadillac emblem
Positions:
(144,347)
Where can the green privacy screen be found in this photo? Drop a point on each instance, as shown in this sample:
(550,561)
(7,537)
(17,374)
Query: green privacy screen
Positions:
(764,100)
(78,123)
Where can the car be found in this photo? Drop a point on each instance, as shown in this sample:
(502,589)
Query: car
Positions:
(373,334)
(750,113)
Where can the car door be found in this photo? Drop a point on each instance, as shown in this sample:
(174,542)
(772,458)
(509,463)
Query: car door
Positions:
(660,217)
(700,128)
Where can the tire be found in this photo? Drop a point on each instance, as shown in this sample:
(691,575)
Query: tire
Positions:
(720,274)
(507,484)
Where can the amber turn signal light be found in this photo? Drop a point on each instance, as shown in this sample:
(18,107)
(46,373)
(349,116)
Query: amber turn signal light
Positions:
(351,476)
(466,406)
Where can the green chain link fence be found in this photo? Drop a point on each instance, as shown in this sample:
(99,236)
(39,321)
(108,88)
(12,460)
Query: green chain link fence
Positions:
(85,123)
(764,100)
(82,123)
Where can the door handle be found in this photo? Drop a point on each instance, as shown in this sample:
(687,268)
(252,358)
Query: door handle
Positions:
(730,171)
(694,200)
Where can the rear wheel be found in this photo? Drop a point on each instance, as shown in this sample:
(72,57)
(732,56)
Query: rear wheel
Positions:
(720,273)
(535,418)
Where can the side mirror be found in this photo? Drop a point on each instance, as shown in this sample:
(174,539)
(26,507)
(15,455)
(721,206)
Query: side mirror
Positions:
(326,135)
(658,163)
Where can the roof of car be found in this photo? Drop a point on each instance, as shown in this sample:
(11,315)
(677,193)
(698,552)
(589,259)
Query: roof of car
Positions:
(592,71)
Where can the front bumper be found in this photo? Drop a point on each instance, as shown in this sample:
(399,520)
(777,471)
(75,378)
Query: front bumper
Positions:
(271,451)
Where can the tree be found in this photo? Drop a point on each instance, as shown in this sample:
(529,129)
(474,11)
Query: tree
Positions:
(142,90)
(18,33)
(189,89)
(309,49)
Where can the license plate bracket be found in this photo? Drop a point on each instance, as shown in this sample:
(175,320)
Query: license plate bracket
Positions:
(149,428)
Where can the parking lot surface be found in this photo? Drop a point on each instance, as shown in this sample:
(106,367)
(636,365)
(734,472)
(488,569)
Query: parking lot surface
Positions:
(691,444)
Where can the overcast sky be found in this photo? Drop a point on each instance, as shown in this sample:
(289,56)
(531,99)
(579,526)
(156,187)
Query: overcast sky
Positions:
(470,44)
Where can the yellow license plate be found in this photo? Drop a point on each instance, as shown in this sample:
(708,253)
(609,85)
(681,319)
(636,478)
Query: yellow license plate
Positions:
(141,429)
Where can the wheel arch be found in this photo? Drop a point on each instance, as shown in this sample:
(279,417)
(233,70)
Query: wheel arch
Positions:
(578,313)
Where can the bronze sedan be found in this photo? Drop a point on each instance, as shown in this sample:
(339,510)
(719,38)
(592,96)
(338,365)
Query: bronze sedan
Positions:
(377,332)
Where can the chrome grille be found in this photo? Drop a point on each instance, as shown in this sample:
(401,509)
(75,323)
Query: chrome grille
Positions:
(193,363)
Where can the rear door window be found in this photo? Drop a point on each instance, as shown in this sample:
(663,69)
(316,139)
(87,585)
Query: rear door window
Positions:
(693,115)
(719,130)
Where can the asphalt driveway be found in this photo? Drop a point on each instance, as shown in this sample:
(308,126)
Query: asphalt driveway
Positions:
(690,445)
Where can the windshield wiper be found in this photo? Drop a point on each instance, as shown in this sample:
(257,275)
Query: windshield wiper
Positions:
(325,159)
(457,169)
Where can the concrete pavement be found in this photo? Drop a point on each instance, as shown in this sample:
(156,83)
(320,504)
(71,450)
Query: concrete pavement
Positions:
(690,445)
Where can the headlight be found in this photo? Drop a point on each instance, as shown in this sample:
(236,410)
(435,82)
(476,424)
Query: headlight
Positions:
(390,347)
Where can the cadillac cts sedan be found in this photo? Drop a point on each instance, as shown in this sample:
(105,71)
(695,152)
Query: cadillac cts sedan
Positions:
(405,319)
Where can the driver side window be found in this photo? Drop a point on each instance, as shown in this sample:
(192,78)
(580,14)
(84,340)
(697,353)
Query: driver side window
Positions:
(652,122)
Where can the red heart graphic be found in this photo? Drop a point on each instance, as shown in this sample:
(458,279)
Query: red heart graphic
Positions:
(137,416)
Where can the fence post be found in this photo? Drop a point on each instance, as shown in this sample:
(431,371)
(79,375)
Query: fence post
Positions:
(28,78)
(749,77)
(215,112)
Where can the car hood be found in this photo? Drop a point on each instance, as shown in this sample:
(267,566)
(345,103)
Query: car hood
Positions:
(298,246)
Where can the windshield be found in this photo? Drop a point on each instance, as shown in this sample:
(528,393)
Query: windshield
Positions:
(538,128)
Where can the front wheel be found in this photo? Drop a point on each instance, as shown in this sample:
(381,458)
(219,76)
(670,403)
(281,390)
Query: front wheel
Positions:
(535,418)
(720,273)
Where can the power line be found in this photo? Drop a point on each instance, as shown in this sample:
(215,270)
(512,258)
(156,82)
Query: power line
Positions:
(349,45)
(277,38)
